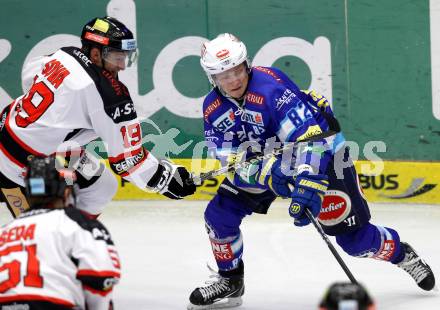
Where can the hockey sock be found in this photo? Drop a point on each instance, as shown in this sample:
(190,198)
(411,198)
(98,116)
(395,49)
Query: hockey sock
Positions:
(227,252)
(373,241)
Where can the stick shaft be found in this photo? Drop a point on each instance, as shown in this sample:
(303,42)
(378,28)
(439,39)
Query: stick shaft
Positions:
(198,179)
(331,247)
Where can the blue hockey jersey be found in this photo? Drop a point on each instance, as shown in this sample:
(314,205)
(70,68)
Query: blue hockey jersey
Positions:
(274,110)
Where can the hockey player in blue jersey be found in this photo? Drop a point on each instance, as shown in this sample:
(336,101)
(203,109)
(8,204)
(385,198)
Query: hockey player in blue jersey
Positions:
(261,107)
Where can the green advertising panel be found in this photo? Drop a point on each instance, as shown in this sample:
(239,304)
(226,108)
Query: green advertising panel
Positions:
(370,58)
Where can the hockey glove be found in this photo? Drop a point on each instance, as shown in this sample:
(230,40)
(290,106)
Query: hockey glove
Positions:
(270,174)
(279,178)
(308,192)
(172,181)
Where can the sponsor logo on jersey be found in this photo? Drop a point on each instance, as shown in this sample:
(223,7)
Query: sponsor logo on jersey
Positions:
(212,139)
(254,98)
(101,234)
(210,135)
(225,121)
(84,59)
(252,117)
(269,72)
(336,206)
(387,250)
(211,108)
(222,251)
(122,112)
(118,87)
(209,132)
(123,163)
(2,120)
(109,283)
(285,98)
(244,135)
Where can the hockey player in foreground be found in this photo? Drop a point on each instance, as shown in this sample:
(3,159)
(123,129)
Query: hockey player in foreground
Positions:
(52,256)
(261,104)
(76,97)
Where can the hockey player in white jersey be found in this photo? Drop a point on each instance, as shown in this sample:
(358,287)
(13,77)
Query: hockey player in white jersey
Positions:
(76,97)
(52,256)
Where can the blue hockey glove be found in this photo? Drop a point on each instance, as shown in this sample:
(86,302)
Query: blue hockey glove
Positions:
(268,174)
(277,176)
(308,192)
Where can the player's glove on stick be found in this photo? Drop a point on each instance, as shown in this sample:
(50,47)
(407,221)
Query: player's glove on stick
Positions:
(172,181)
(271,174)
(308,192)
(277,176)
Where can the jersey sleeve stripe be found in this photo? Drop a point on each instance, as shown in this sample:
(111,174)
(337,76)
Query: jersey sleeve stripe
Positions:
(126,163)
(23,145)
(123,156)
(10,249)
(31,297)
(10,157)
(97,292)
(10,145)
(95,273)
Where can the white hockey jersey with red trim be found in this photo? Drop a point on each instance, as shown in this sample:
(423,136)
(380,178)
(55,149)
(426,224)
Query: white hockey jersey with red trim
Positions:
(57,256)
(70,103)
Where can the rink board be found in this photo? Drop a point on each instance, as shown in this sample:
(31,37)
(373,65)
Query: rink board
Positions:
(400,182)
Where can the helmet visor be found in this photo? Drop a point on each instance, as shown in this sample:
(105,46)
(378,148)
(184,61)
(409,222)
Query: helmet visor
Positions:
(238,72)
(120,58)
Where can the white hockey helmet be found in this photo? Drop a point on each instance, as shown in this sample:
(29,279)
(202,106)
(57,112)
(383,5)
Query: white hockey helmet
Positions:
(224,52)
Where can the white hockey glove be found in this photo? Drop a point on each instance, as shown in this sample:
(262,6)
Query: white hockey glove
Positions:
(172,181)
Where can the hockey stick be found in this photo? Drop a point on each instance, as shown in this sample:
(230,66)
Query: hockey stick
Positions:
(331,247)
(256,158)
(333,129)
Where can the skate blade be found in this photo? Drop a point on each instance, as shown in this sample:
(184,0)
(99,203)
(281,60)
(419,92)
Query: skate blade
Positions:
(230,302)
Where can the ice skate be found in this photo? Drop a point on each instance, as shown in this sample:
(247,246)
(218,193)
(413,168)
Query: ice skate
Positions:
(223,292)
(418,269)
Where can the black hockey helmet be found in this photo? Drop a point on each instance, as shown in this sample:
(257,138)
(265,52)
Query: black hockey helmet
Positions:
(108,34)
(346,296)
(46,177)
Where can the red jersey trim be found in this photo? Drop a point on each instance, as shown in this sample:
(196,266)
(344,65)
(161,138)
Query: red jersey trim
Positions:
(17,139)
(10,157)
(122,156)
(97,292)
(95,273)
(29,297)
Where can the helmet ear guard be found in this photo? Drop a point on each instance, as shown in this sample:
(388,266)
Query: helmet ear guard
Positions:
(46,179)
(224,52)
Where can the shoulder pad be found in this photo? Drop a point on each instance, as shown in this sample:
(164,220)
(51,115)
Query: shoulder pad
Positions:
(115,95)
(210,105)
(98,230)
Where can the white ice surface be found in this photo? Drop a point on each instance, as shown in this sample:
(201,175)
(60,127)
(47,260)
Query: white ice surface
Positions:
(164,250)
